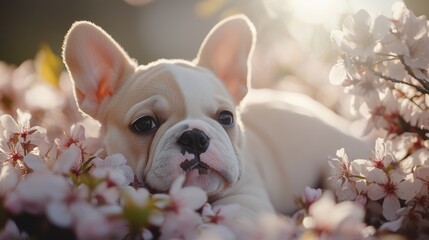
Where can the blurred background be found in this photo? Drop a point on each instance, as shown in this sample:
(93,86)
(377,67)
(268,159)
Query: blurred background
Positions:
(294,51)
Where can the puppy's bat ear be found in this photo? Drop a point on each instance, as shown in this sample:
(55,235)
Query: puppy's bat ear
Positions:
(97,65)
(226,52)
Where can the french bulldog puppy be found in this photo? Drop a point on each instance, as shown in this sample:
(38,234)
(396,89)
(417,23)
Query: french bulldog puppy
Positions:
(257,148)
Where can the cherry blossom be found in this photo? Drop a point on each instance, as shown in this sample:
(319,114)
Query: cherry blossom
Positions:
(181,220)
(310,195)
(391,187)
(20,131)
(94,223)
(345,218)
(382,159)
(78,137)
(189,197)
(340,167)
(413,32)
(60,211)
(114,169)
(69,160)
(34,193)
(361,34)
(139,208)
(12,154)
(223,214)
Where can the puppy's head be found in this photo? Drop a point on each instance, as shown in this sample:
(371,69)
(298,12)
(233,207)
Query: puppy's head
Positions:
(169,117)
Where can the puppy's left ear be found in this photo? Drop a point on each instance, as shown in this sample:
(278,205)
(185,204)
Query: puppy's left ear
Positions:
(226,52)
(97,64)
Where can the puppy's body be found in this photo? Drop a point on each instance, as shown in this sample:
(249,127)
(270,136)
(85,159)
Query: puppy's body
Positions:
(175,117)
(288,165)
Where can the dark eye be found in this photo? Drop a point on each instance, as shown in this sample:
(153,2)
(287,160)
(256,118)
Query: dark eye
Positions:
(143,124)
(226,118)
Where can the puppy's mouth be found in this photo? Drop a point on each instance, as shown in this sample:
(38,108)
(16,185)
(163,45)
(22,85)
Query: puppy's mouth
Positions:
(195,163)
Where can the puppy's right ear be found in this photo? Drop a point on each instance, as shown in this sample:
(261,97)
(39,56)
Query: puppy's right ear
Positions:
(226,51)
(97,65)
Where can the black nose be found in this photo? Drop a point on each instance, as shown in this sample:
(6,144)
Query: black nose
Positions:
(193,141)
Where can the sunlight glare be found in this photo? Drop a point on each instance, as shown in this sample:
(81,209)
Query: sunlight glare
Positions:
(325,12)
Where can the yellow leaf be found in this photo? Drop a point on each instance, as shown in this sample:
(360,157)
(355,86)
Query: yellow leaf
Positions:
(207,8)
(49,65)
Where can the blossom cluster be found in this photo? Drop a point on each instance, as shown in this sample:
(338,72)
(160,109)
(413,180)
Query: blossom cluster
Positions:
(41,87)
(384,67)
(66,189)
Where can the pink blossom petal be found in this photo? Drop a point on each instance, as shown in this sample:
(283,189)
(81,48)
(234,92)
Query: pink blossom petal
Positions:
(146,234)
(191,197)
(128,173)
(375,192)
(221,213)
(361,167)
(93,225)
(138,196)
(396,177)
(335,164)
(8,123)
(423,173)
(392,226)
(390,206)
(321,208)
(338,74)
(180,226)
(377,175)
(381,27)
(207,210)
(347,192)
(177,184)
(78,132)
(9,178)
(59,214)
(70,158)
(23,118)
(349,218)
(408,189)
(361,186)
(162,200)
(311,195)
(35,162)
(114,167)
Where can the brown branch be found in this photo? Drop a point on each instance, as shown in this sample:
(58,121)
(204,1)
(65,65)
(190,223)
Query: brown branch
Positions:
(418,88)
(423,82)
